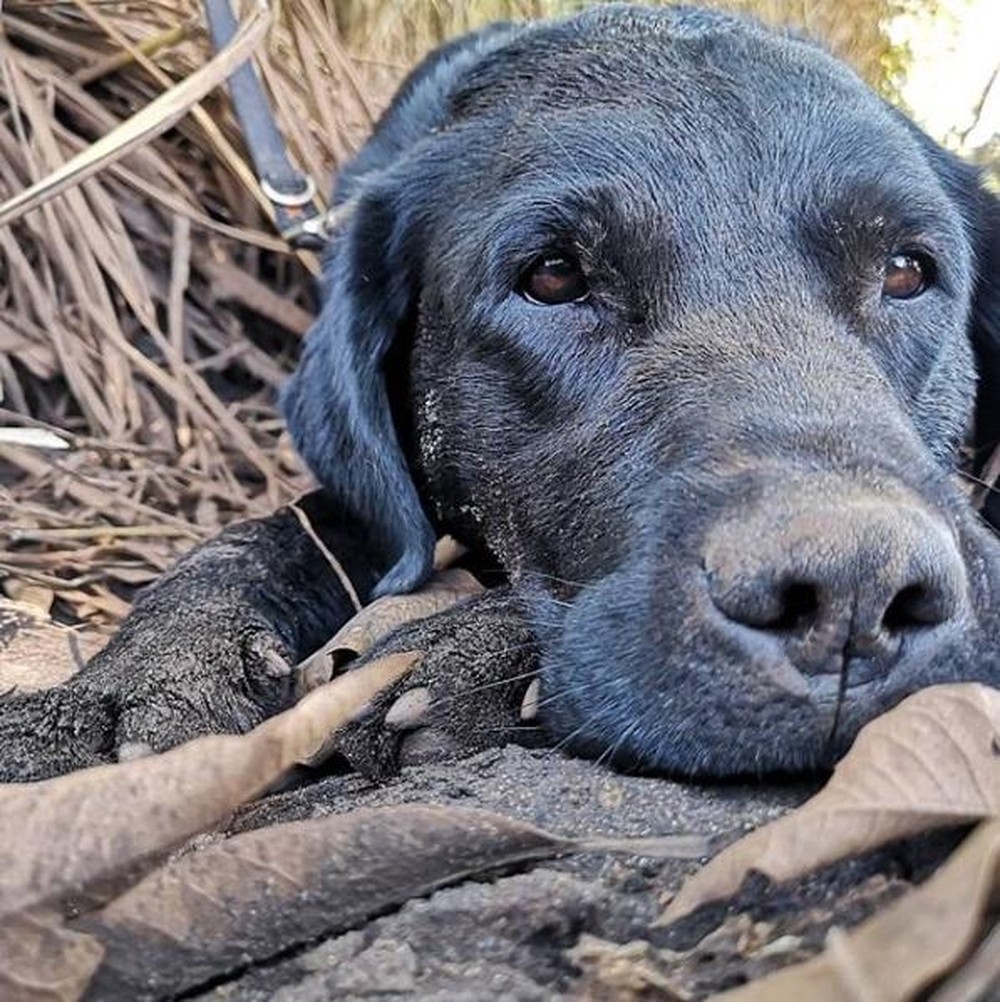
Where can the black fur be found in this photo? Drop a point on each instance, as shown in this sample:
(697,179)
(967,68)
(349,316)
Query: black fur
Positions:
(734,412)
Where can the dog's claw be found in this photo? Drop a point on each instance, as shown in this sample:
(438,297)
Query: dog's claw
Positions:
(529,702)
(410,711)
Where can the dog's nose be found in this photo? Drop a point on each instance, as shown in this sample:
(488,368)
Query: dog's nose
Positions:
(836,581)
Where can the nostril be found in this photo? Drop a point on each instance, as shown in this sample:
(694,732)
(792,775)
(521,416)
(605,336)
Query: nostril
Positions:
(914,607)
(799,607)
(770,607)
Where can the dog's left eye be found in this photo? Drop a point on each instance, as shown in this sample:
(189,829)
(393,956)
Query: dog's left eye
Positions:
(554,279)
(907,274)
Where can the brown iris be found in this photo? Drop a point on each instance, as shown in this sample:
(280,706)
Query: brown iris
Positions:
(554,279)
(907,275)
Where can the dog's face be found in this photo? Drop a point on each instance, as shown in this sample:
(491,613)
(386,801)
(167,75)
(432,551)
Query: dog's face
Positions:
(689,328)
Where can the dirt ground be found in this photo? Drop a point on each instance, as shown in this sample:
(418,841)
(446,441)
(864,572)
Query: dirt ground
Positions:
(582,926)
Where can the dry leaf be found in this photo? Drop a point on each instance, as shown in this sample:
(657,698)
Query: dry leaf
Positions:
(375,621)
(242,900)
(257,894)
(930,762)
(36,653)
(43,961)
(978,978)
(899,952)
(65,833)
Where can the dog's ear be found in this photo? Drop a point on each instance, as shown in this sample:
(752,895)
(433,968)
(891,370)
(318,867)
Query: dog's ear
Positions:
(985,322)
(337,404)
(986,317)
(980,210)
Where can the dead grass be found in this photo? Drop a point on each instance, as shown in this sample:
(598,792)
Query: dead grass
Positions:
(149,314)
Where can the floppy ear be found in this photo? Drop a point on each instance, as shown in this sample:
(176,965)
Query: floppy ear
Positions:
(980,211)
(985,322)
(336,404)
(985,317)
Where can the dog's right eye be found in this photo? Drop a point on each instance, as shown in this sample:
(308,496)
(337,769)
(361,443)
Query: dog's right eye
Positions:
(554,279)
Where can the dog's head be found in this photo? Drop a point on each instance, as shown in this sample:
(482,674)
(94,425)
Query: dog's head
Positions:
(689,328)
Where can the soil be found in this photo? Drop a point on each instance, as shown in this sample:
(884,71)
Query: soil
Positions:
(582,926)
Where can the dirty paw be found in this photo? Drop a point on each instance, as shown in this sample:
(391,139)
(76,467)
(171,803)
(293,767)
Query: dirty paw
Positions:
(474,687)
(150,689)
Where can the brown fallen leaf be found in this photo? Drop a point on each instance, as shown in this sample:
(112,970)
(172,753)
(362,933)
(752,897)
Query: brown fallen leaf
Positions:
(36,653)
(899,952)
(43,961)
(360,633)
(978,977)
(928,763)
(240,901)
(65,833)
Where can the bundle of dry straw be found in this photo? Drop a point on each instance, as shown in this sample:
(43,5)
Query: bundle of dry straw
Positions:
(150,313)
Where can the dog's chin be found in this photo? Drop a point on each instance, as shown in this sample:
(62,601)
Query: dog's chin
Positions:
(682,696)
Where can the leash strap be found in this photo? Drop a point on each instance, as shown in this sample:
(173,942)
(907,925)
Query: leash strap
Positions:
(291,192)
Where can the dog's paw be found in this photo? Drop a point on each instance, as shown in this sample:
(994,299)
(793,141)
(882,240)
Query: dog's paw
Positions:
(47,733)
(474,687)
(154,686)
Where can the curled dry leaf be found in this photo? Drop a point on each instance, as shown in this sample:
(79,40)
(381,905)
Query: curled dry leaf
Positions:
(66,833)
(899,952)
(930,762)
(36,653)
(239,901)
(360,633)
(257,894)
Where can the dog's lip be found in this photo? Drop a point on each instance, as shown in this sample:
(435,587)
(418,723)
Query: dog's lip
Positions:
(857,677)
(828,689)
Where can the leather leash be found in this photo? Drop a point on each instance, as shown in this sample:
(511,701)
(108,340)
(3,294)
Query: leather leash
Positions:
(300,221)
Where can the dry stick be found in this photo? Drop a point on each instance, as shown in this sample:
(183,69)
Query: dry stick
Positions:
(989,478)
(96,532)
(180,275)
(229,282)
(335,564)
(44,38)
(178,206)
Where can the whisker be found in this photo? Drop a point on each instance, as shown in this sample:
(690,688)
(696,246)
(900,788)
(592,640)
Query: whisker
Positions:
(473,690)
(609,753)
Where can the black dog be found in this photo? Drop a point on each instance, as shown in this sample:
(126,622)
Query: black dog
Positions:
(687,328)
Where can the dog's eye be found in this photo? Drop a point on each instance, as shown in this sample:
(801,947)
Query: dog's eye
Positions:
(554,279)
(907,274)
